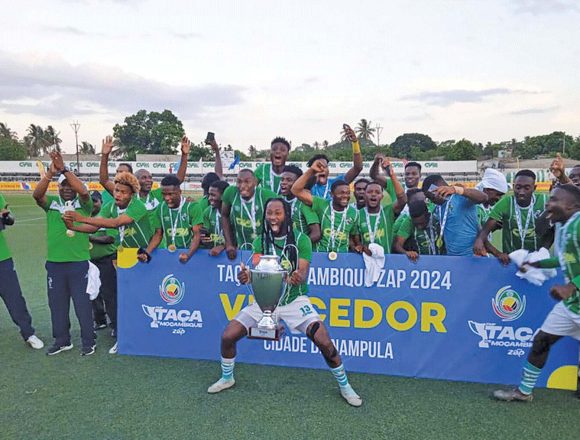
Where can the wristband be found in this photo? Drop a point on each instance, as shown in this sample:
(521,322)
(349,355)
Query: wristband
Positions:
(142,251)
(356,147)
(459,190)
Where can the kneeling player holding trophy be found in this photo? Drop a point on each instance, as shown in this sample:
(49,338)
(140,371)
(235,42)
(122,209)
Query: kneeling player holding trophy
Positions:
(295,251)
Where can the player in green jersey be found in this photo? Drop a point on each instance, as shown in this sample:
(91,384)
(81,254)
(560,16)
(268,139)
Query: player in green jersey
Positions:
(295,250)
(517,215)
(10,291)
(412,176)
(564,320)
(338,220)
(176,220)
(242,212)
(417,234)
(67,264)
(360,200)
(151,198)
(269,175)
(304,218)
(212,233)
(127,214)
(375,221)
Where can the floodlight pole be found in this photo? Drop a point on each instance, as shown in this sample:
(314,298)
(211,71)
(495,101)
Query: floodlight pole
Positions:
(378,128)
(75,126)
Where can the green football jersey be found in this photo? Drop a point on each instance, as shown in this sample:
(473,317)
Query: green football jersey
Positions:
(246,215)
(304,246)
(336,226)
(61,247)
(519,222)
(212,222)
(177,223)
(425,239)
(483,214)
(302,215)
(98,250)
(567,250)
(377,228)
(267,178)
(203,203)
(152,200)
(136,234)
(4,251)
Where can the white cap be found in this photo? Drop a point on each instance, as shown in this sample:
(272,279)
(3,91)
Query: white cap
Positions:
(493,179)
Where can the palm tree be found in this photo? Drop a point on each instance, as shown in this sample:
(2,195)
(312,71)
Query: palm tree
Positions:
(5,132)
(34,140)
(51,137)
(325,143)
(364,130)
(316,145)
(86,148)
(253,151)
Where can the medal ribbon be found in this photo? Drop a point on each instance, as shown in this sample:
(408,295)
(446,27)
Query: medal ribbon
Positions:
(174,223)
(373,232)
(340,228)
(518,212)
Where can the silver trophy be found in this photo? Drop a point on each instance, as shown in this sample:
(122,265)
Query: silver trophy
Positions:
(268,282)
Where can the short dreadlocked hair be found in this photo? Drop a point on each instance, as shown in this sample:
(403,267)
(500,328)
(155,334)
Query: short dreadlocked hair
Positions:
(280,140)
(128,179)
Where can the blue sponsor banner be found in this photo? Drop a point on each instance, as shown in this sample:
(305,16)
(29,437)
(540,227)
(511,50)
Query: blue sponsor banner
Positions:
(452,318)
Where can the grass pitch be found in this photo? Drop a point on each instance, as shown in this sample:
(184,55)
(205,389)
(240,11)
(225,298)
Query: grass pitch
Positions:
(121,397)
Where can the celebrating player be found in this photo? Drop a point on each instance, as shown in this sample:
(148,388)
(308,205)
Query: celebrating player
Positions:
(411,181)
(279,238)
(269,175)
(322,187)
(68,257)
(176,220)
(213,236)
(242,211)
(303,217)
(456,212)
(127,214)
(518,216)
(564,320)
(150,197)
(338,220)
(10,287)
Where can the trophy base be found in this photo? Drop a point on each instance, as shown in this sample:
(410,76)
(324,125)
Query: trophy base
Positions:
(269,334)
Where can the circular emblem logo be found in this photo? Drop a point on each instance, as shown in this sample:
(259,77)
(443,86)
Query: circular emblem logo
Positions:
(508,304)
(171,290)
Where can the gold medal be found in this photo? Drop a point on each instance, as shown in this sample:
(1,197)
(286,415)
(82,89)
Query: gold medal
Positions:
(439,242)
(332,256)
(120,248)
(172,247)
(70,233)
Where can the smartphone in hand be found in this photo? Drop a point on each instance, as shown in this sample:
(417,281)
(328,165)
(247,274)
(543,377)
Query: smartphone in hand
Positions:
(210,138)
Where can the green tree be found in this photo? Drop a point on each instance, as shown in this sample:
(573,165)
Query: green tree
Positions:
(51,138)
(403,144)
(5,132)
(252,151)
(364,130)
(148,133)
(11,149)
(462,150)
(35,141)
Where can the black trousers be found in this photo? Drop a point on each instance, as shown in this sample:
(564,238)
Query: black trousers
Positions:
(106,303)
(68,281)
(12,296)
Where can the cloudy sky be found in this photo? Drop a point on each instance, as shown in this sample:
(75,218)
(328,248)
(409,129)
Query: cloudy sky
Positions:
(254,69)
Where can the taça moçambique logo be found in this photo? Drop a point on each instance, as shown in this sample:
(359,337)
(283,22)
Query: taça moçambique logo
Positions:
(171,290)
(508,304)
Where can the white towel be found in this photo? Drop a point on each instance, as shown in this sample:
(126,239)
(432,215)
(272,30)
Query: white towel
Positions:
(374,264)
(94,281)
(534,275)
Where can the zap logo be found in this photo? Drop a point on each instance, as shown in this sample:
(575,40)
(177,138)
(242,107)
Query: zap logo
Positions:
(508,304)
(171,290)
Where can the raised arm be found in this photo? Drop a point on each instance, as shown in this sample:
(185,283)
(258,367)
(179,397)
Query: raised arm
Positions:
(74,182)
(99,222)
(298,188)
(357,162)
(375,171)
(399,191)
(106,148)
(218,168)
(474,195)
(185,147)
(39,193)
